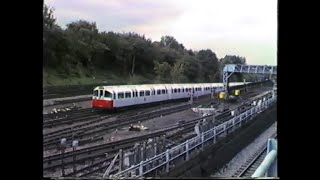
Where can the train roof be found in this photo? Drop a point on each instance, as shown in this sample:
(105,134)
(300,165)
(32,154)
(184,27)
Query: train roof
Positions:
(123,88)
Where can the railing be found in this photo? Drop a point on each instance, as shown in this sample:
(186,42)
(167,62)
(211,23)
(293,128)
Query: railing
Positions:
(190,145)
(253,69)
(268,167)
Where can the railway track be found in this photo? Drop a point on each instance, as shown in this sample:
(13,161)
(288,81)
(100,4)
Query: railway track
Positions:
(249,167)
(78,115)
(175,137)
(61,102)
(126,143)
(91,153)
(64,114)
(52,140)
(70,119)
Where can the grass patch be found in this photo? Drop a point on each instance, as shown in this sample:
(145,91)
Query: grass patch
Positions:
(84,77)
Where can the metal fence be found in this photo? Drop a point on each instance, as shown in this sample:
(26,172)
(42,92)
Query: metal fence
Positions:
(189,146)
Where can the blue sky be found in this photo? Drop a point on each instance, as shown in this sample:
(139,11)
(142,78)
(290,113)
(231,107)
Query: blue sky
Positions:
(246,28)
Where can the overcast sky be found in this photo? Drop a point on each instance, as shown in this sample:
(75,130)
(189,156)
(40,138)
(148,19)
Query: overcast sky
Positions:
(246,28)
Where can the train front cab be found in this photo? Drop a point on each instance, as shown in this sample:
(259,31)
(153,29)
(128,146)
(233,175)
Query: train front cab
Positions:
(102,99)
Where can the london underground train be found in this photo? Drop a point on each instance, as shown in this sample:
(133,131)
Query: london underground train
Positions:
(113,97)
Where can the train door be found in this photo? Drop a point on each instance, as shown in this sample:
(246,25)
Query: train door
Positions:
(135,96)
(115,99)
(120,99)
(169,90)
(153,97)
(164,94)
(212,92)
(184,93)
(146,96)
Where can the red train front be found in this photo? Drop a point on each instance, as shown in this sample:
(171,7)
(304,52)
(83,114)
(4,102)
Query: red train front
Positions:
(102,99)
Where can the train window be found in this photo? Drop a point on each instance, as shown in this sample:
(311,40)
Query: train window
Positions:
(128,95)
(147,93)
(141,93)
(182,89)
(153,92)
(107,94)
(178,90)
(133,94)
(164,91)
(95,93)
(158,91)
(120,95)
(101,93)
(175,90)
(187,90)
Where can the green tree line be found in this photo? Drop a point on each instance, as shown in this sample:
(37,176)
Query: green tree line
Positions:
(81,50)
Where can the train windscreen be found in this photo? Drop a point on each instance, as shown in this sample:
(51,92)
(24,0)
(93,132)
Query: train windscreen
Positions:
(107,94)
(95,93)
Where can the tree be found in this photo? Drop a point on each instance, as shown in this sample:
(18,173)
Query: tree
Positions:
(171,42)
(48,18)
(81,49)
(162,71)
(208,65)
(177,72)
(84,38)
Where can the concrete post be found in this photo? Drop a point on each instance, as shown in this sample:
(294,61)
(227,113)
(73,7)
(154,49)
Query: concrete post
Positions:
(215,135)
(187,150)
(120,160)
(144,152)
(141,169)
(167,161)
(202,141)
